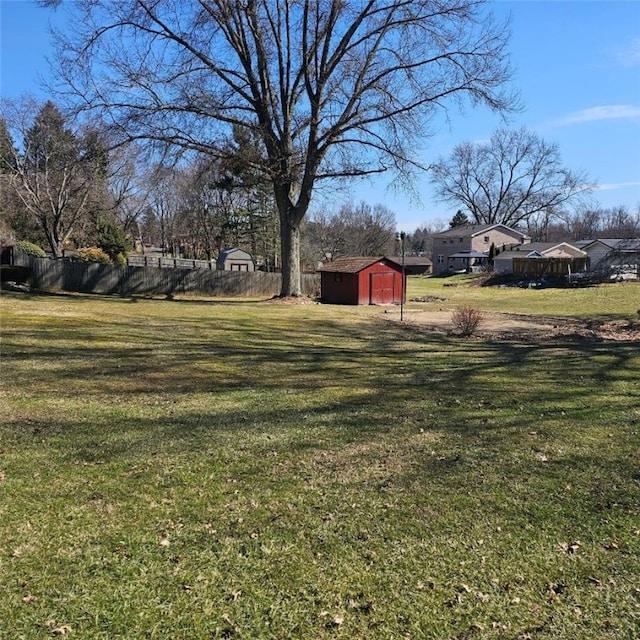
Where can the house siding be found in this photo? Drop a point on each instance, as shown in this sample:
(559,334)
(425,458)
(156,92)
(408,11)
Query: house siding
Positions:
(597,252)
(513,261)
(471,238)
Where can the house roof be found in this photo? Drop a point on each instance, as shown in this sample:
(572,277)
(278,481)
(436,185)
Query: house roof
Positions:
(412,260)
(535,248)
(629,244)
(469,254)
(509,255)
(351,264)
(542,247)
(471,230)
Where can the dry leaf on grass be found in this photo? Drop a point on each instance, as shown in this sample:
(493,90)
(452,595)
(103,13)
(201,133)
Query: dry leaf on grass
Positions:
(335,621)
(56,629)
(570,547)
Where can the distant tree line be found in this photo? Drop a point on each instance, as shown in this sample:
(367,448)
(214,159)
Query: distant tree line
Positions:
(225,117)
(352,230)
(590,222)
(65,187)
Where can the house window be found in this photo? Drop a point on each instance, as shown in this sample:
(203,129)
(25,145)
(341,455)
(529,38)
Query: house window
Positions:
(440,259)
(461,239)
(486,238)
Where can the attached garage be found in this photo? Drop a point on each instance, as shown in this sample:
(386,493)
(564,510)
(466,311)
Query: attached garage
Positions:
(362,281)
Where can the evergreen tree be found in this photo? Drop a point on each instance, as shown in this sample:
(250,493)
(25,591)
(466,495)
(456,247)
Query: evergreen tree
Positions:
(492,254)
(111,238)
(7,150)
(59,176)
(7,167)
(459,219)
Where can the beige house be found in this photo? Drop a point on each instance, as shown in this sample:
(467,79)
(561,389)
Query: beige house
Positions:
(503,262)
(613,257)
(467,247)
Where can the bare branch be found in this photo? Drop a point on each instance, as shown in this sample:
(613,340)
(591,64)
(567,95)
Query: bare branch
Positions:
(334,89)
(509,180)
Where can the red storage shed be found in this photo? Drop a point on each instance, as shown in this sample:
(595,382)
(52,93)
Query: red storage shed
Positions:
(362,281)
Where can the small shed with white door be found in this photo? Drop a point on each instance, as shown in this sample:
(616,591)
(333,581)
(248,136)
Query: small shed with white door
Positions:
(234,259)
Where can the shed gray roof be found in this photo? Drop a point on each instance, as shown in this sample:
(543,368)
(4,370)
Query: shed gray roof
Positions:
(226,253)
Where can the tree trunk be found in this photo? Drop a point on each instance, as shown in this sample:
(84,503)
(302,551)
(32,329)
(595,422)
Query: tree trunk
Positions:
(290,248)
(52,239)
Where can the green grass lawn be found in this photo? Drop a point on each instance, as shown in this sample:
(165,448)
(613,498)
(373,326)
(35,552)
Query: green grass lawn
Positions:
(619,301)
(203,469)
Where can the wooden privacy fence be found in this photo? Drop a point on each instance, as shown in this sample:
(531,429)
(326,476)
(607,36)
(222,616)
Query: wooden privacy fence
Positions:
(127,280)
(171,263)
(539,267)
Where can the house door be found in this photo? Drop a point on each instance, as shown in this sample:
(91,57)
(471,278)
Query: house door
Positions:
(382,288)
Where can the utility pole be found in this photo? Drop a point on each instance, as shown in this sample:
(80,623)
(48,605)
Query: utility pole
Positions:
(402,236)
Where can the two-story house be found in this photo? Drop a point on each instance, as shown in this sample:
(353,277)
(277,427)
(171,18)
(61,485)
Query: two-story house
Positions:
(468,246)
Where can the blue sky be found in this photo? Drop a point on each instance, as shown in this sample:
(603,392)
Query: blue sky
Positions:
(577,69)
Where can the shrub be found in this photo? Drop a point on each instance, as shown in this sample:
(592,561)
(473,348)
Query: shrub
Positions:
(93,254)
(29,248)
(120,259)
(466,320)
(112,239)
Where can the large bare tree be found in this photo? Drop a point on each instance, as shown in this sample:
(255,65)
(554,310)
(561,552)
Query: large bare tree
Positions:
(331,88)
(516,177)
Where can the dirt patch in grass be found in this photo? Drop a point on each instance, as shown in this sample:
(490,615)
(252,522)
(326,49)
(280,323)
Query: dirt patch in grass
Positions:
(509,326)
(293,300)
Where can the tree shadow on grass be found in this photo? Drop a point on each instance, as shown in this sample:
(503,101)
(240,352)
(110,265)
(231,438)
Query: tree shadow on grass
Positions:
(317,382)
(313,352)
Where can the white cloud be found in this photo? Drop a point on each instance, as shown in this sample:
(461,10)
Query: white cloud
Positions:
(616,185)
(604,112)
(629,56)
